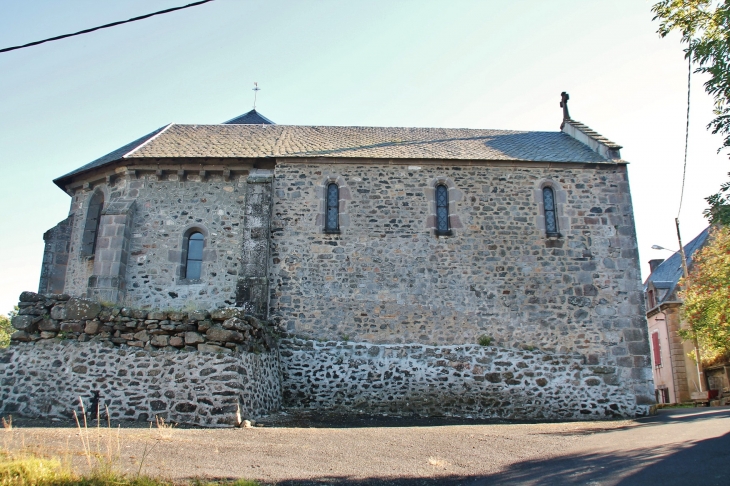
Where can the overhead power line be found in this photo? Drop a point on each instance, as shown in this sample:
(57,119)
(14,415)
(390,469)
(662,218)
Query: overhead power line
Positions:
(86,31)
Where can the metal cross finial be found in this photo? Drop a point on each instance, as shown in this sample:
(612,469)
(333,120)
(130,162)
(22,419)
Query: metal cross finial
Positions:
(564,105)
(256,89)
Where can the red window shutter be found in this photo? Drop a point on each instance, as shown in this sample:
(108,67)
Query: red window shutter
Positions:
(656,348)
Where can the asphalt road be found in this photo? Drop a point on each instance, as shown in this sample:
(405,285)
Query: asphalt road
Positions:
(682,447)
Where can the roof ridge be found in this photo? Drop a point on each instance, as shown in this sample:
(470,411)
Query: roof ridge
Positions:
(147,141)
(504,130)
(593,134)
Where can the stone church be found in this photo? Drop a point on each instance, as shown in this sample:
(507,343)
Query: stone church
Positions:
(497,267)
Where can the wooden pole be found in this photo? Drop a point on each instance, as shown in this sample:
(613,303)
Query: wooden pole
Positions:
(700,370)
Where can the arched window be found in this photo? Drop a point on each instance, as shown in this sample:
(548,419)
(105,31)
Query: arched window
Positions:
(91,227)
(332,218)
(548,202)
(442,210)
(194,256)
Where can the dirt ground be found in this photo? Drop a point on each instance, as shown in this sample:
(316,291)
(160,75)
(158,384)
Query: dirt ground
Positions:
(289,449)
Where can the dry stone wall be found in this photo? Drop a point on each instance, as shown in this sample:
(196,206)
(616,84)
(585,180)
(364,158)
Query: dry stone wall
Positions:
(60,317)
(46,379)
(467,381)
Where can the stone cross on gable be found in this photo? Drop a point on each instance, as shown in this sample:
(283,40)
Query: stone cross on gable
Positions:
(564,97)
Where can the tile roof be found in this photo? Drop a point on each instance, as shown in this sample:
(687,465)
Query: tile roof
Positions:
(271,141)
(365,142)
(669,272)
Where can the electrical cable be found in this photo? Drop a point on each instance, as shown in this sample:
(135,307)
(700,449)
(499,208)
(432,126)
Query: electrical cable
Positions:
(86,31)
(686,132)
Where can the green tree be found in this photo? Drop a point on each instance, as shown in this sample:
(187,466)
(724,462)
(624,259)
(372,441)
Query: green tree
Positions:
(705,29)
(706,308)
(5,331)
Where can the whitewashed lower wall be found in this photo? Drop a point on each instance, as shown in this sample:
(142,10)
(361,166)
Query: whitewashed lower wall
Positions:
(473,381)
(46,378)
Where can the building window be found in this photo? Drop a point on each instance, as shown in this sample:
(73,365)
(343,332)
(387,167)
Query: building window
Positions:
(194,256)
(551,221)
(651,298)
(91,227)
(656,348)
(442,210)
(332,216)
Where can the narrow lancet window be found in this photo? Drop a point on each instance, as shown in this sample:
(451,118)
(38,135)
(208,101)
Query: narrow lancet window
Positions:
(91,226)
(442,210)
(332,219)
(194,259)
(551,222)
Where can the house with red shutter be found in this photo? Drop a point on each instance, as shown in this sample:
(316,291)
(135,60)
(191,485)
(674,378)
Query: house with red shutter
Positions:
(676,375)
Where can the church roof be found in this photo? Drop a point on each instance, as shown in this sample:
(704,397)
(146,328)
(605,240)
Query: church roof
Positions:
(253,117)
(233,140)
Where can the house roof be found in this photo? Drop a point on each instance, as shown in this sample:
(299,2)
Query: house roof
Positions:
(669,272)
(253,117)
(243,140)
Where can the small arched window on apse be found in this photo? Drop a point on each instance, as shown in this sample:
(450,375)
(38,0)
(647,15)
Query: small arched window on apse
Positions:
(91,225)
(442,210)
(332,216)
(193,260)
(549,206)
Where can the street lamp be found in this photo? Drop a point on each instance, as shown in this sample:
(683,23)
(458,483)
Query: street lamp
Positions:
(657,247)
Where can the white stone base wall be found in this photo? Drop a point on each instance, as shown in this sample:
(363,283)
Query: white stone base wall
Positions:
(46,379)
(468,381)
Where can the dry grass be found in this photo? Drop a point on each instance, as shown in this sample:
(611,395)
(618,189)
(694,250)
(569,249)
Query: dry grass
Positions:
(24,466)
(164,429)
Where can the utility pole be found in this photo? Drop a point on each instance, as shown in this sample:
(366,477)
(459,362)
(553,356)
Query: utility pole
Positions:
(700,370)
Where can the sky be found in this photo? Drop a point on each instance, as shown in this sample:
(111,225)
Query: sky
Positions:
(414,63)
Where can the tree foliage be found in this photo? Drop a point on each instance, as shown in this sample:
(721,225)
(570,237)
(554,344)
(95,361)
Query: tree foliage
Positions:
(705,29)
(5,331)
(706,297)
(719,210)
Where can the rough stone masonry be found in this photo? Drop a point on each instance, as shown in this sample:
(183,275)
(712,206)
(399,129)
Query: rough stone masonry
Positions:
(380,289)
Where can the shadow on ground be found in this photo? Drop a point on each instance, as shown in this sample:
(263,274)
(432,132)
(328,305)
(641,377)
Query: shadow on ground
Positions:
(667,416)
(705,462)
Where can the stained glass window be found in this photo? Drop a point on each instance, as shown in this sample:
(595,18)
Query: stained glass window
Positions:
(548,200)
(442,210)
(194,259)
(332,219)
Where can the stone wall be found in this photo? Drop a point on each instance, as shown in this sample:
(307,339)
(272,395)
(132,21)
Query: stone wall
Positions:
(467,381)
(46,379)
(135,361)
(56,249)
(386,278)
(60,317)
(167,204)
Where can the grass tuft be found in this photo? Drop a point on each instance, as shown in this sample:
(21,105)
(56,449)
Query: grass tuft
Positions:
(484,340)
